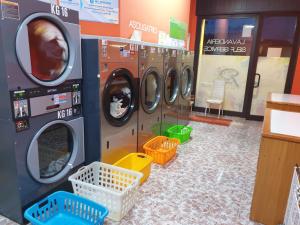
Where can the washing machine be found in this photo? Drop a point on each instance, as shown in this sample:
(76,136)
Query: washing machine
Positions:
(151,82)
(42,129)
(119,83)
(186,87)
(171,82)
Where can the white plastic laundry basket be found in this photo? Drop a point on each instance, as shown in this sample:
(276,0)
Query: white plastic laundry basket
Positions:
(111,186)
(292,213)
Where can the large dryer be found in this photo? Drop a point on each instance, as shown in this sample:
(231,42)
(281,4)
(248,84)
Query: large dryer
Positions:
(119,98)
(41,122)
(170,90)
(186,87)
(151,82)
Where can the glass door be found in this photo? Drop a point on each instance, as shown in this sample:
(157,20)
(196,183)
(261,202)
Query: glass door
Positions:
(44,49)
(226,44)
(187,77)
(275,50)
(171,86)
(150,90)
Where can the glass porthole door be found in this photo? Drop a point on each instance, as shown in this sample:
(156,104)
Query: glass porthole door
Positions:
(50,152)
(171,86)
(119,97)
(187,78)
(150,90)
(44,49)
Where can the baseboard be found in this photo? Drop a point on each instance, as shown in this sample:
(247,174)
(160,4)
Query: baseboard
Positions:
(216,111)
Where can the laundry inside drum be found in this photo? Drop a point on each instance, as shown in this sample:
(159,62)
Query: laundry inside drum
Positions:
(49,50)
(55,146)
(120,97)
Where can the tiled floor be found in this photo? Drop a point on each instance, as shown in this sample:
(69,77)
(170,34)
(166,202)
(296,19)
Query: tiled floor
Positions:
(210,182)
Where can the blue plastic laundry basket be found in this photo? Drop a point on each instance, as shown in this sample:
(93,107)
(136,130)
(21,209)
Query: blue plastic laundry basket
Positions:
(62,208)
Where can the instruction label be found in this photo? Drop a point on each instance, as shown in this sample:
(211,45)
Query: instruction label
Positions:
(10,10)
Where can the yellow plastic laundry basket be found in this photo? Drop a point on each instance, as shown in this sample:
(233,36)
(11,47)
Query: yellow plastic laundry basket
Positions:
(138,162)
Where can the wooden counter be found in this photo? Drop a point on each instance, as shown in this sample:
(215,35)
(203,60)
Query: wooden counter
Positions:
(284,102)
(279,153)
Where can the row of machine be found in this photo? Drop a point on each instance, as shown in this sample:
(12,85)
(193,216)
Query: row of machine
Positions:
(64,101)
(143,91)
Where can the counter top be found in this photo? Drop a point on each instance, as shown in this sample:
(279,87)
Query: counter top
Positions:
(284,98)
(282,125)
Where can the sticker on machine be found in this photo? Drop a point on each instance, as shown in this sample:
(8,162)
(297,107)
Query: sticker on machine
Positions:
(60,98)
(10,10)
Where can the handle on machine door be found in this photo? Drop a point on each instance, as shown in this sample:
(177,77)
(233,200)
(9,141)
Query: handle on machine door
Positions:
(256,84)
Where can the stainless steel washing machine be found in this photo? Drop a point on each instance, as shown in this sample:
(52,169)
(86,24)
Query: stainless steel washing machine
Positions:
(41,123)
(170,90)
(119,99)
(186,87)
(151,82)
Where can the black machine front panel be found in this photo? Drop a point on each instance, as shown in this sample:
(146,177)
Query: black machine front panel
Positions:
(40,82)
(64,99)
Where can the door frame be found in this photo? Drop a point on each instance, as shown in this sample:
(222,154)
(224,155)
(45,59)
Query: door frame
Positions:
(253,66)
(253,57)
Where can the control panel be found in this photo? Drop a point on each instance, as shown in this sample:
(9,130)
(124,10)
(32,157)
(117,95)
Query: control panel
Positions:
(64,99)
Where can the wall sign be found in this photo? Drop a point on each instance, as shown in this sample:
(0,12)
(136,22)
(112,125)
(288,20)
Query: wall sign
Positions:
(178,29)
(228,36)
(225,46)
(105,11)
(136,25)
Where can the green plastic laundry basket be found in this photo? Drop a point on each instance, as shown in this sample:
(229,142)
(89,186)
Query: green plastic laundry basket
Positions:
(181,132)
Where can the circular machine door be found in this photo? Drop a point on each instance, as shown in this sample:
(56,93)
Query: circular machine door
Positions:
(150,90)
(44,49)
(119,97)
(187,78)
(171,86)
(52,152)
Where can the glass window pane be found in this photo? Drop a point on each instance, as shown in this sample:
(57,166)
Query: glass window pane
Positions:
(277,36)
(55,146)
(232,36)
(226,46)
(49,51)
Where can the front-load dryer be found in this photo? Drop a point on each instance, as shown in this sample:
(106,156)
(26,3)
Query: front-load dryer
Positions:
(41,122)
(119,99)
(186,87)
(170,91)
(151,83)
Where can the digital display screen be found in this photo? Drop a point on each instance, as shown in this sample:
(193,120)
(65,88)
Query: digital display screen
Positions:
(49,50)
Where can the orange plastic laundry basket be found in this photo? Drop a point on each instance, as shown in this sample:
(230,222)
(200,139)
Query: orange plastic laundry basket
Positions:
(161,148)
